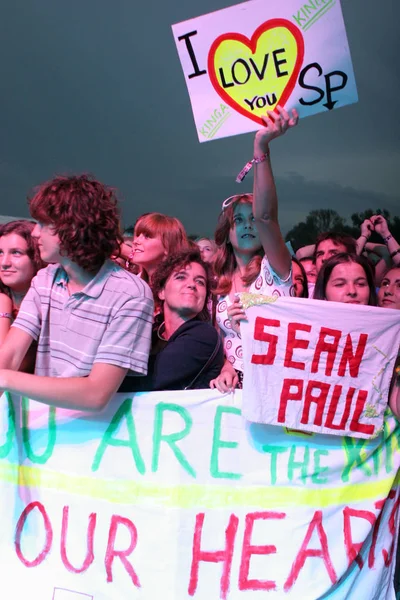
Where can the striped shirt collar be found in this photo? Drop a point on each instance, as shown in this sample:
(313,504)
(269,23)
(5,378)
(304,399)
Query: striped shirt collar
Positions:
(96,285)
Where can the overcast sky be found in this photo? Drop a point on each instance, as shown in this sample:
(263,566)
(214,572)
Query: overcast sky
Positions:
(96,86)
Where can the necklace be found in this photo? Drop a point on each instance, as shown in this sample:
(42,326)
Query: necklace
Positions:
(159,333)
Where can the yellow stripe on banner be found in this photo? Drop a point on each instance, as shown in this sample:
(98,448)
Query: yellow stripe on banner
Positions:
(194,495)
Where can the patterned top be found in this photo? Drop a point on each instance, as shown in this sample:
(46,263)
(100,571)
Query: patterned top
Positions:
(109,321)
(267,283)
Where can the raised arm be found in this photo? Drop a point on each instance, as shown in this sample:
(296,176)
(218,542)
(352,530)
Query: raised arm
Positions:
(381,227)
(366,229)
(265,201)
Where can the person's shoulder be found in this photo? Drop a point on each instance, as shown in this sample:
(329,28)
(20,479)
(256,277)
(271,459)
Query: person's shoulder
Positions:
(5,303)
(201,329)
(120,280)
(47,275)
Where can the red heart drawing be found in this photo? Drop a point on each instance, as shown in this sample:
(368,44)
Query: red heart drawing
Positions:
(251,44)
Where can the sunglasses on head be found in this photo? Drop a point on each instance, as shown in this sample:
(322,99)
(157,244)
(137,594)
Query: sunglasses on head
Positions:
(226,203)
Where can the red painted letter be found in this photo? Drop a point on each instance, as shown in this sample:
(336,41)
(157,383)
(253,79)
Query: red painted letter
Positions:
(304,552)
(89,543)
(330,348)
(355,425)
(379,505)
(319,399)
(18,531)
(353,360)
(294,342)
(352,548)
(287,395)
(224,556)
(337,392)
(248,550)
(111,553)
(262,336)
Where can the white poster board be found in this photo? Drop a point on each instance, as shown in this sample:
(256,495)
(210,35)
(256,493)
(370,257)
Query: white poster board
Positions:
(318,366)
(241,61)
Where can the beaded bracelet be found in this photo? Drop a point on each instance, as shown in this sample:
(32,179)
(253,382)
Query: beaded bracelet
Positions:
(6,315)
(387,238)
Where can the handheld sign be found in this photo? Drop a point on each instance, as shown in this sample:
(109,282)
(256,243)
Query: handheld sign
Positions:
(318,366)
(241,61)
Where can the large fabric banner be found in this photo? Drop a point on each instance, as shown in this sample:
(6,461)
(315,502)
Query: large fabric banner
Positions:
(318,366)
(241,61)
(175,496)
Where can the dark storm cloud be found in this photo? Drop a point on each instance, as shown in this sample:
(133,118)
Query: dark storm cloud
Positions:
(96,86)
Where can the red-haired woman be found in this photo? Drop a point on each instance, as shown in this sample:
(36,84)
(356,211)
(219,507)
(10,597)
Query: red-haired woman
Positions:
(252,254)
(155,236)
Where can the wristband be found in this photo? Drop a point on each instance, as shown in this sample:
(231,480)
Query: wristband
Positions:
(248,166)
(364,236)
(393,254)
(387,238)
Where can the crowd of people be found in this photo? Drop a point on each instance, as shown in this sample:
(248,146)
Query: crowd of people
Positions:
(85,312)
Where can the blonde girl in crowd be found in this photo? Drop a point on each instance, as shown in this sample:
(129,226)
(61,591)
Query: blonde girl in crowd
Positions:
(207,248)
(251,252)
(155,236)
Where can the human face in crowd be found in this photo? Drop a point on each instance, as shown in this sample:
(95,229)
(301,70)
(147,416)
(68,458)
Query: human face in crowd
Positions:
(310,270)
(244,235)
(325,250)
(348,283)
(298,280)
(48,242)
(185,291)
(16,267)
(389,292)
(147,251)
(206,249)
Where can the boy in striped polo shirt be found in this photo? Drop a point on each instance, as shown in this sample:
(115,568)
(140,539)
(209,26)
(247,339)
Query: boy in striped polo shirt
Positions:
(91,318)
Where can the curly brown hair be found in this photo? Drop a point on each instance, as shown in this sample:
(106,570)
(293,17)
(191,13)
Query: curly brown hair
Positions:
(172,263)
(24,229)
(224,261)
(84,215)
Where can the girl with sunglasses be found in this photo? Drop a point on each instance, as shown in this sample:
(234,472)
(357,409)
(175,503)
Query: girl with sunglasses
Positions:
(251,252)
